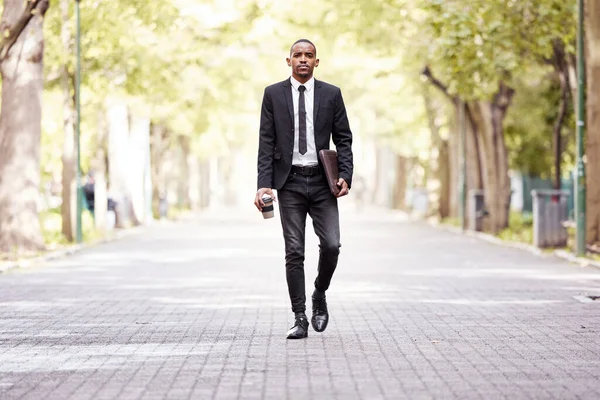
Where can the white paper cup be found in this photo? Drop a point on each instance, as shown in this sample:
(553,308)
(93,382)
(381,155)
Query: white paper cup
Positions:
(268,211)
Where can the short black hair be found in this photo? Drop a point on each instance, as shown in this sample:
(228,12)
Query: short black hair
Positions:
(303,41)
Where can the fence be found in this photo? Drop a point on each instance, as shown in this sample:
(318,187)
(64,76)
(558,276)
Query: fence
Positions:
(530,183)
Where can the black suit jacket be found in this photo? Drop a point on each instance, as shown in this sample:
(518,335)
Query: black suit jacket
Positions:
(276,143)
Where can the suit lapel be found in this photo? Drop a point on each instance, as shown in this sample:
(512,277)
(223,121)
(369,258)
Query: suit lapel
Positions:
(317,101)
(287,92)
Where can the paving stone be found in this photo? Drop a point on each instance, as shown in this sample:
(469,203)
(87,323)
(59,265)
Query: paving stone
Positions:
(199,310)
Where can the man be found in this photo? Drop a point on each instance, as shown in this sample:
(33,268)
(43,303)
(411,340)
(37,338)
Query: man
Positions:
(89,191)
(299,116)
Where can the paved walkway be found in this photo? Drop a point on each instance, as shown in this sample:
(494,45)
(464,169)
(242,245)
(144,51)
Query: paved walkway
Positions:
(200,310)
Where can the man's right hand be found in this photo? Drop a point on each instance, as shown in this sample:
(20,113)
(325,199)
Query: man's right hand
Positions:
(259,194)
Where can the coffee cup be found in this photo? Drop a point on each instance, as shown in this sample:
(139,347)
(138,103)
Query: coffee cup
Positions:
(268,210)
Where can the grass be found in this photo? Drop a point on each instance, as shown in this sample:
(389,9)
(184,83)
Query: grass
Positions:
(595,257)
(453,221)
(520,228)
(51,224)
(51,227)
(175,211)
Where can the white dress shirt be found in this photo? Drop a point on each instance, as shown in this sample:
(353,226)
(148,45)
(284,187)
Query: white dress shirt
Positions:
(310,157)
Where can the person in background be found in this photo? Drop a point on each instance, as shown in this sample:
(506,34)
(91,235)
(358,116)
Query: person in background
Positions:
(88,191)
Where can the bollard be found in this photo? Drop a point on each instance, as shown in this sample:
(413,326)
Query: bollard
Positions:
(550,210)
(476,210)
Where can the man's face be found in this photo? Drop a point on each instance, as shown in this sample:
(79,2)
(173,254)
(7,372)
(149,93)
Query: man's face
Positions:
(303,61)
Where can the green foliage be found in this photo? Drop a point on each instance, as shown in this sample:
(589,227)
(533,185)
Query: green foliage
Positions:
(51,221)
(530,123)
(452,221)
(199,67)
(173,60)
(471,45)
(520,228)
(474,44)
(162,52)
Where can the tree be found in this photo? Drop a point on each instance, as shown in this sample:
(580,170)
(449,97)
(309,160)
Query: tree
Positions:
(113,62)
(592,144)
(21,67)
(474,51)
(479,49)
(67,77)
(441,146)
(528,125)
(109,61)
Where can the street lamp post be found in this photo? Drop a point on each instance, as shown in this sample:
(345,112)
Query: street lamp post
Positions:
(580,206)
(79,232)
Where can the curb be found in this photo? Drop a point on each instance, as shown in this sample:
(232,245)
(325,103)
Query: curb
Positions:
(562,254)
(68,250)
(76,248)
(491,239)
(583,262)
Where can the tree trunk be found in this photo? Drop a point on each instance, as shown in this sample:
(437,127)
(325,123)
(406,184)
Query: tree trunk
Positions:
(443,176)
(474,158)
(21,67)
(69,188)
(572,74)
(100,167)
(475,153)
(194,182)
(453,165)
(486,155)
(489,119)
(592,150)
(119,146)
(400,183)
(439,159)
(474,179)
(561,66)
(158,146)
(500,105)
(138,155)
(184,173)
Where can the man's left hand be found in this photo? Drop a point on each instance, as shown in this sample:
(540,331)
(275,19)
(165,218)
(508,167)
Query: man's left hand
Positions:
(344,187)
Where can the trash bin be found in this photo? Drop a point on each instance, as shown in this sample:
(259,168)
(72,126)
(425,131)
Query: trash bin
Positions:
(476,210)
(550,210)
(163,207)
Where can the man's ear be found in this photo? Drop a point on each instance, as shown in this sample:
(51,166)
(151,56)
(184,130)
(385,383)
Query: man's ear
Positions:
(316,62)
(289,62)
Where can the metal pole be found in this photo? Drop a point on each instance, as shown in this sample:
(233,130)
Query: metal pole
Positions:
(462,183)
(580,205)
(79,233)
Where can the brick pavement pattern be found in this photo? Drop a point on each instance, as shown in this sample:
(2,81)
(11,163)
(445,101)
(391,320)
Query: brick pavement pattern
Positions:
(199,310)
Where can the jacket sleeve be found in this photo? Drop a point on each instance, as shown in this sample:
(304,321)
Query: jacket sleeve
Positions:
(266,143)
(342,138)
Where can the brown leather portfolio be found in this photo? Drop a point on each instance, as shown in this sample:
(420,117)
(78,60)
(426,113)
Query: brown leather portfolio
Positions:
(330,165)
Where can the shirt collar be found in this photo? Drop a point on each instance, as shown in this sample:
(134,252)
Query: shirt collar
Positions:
(309,84)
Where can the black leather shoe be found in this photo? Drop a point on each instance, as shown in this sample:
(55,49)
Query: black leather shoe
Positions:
(320,315)
(299,330)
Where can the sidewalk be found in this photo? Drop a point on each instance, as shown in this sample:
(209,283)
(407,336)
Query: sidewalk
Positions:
(199,310)
(69,249)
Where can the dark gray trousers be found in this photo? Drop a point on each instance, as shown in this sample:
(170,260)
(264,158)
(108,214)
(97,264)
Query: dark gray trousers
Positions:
(299,197)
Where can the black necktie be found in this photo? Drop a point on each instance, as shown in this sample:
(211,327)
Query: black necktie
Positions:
(302,120)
